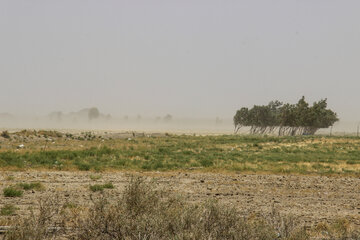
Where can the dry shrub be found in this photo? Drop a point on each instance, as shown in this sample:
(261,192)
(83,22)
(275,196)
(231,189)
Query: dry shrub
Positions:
(286,227)
(341,229)
(145,213)
(41,224)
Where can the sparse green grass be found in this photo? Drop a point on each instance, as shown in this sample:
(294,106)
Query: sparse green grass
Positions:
(30,186)
(101,187)
(95,177)
(70,205)
(10,178)
(108,185)
(12,192)
(300,154)
(17,190)
(8,210)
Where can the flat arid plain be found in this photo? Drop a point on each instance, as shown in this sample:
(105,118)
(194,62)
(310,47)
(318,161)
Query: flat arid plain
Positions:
(307,182)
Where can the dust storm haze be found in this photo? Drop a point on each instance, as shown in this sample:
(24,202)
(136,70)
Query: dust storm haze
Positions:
(173,65)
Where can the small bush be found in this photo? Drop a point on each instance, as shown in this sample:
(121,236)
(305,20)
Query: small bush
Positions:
(69,135)
(7,210)
(5,134)
(12,192)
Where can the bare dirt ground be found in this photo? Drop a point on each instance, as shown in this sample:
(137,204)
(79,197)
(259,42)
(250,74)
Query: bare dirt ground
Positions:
(314,199)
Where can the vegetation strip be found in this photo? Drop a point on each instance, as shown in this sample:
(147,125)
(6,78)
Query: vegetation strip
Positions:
(301,154)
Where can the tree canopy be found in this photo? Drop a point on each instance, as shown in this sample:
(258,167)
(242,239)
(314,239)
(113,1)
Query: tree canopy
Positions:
(286,119)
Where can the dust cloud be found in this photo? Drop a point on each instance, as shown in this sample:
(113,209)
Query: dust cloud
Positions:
(81,121)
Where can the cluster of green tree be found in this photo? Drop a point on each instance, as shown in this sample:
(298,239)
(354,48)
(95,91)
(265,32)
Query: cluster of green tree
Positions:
(286,119)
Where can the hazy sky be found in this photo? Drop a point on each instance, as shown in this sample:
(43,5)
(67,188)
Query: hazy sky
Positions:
(198,58)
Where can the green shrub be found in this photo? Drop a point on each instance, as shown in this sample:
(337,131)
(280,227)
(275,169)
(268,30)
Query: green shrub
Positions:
(12,192)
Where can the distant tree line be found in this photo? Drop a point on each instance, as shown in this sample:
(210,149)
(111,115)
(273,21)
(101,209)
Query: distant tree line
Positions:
(286,119)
